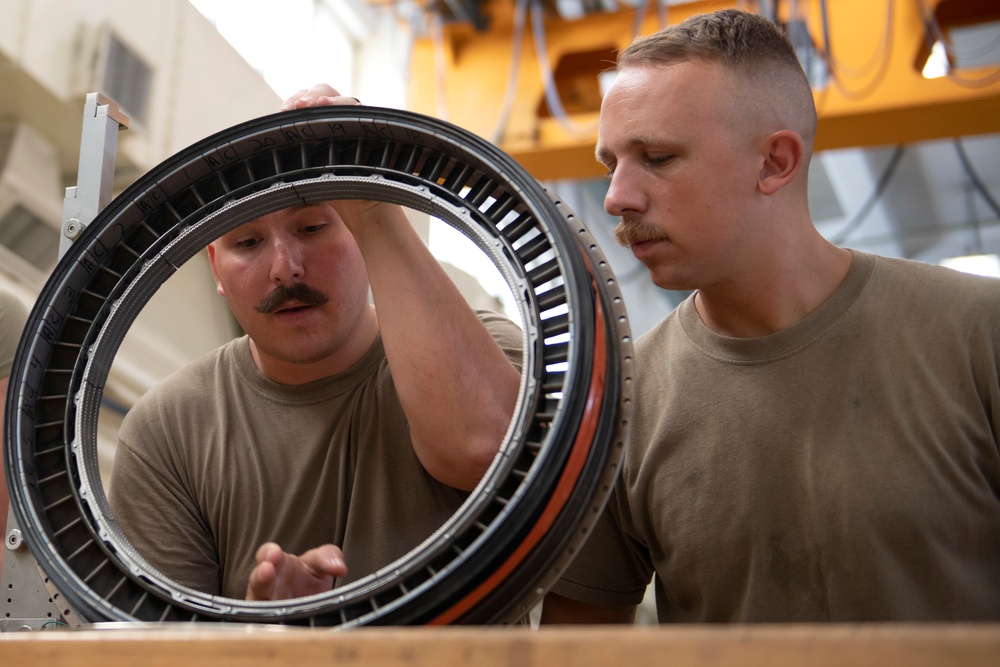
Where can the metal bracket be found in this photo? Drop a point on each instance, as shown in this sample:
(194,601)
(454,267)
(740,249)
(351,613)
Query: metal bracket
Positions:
(29,601)
(102,119)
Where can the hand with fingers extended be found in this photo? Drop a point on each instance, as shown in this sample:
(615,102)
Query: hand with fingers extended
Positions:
(280,575)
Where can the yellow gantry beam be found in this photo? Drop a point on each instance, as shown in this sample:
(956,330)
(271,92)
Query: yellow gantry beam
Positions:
(877,95)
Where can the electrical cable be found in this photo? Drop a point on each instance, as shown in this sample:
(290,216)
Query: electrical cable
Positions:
(520,14)
(551,91)
(827,50)
(851,71)
(862,213)
(801,39)
(640,16)
(883,49)
(823,93)
(977,183)
(440,70)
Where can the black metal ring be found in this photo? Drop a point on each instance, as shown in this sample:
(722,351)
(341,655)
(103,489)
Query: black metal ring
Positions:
(512,538)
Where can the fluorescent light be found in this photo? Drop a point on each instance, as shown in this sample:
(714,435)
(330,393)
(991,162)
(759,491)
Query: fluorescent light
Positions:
(981,265)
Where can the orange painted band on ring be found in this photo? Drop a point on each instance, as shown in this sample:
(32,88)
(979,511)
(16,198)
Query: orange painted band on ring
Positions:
(567,482)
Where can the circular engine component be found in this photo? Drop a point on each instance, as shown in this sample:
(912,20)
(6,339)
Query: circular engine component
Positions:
(538,501)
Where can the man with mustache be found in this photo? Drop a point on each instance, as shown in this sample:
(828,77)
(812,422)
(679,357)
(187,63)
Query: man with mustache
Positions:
(815,435)
(336,435)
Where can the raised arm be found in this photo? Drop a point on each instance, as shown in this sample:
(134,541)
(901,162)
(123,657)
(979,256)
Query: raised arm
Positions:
(457,387)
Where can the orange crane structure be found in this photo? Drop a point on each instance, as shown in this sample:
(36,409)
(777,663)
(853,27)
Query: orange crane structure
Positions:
(870,56)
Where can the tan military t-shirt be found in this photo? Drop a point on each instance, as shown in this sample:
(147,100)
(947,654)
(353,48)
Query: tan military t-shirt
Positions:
(218,459)
(845,469)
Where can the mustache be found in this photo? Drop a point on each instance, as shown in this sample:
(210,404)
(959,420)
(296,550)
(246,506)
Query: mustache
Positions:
(299,292)
(629,232)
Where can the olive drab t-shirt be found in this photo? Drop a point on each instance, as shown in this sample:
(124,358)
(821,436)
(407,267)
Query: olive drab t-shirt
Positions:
(217,460)
(845,469)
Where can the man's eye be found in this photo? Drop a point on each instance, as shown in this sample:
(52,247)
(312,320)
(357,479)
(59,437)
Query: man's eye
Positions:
(246,243)
(313,229)
(659,159)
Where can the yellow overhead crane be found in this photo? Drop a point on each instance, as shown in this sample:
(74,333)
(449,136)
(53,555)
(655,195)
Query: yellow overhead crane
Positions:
(875,93)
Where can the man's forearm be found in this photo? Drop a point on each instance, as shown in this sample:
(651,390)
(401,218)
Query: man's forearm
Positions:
(456,385)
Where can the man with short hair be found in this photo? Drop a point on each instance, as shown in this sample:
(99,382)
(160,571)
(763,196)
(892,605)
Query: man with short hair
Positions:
(816,429)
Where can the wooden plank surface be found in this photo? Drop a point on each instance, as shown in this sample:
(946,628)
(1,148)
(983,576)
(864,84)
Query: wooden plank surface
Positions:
(694,646)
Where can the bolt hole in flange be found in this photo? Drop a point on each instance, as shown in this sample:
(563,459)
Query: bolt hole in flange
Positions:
(513,536)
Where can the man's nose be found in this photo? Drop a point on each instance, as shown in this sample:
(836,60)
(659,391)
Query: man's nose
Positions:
(287,263)
(623,196)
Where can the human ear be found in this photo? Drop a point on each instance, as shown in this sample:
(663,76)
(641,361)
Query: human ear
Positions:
(215,273)
(782,161)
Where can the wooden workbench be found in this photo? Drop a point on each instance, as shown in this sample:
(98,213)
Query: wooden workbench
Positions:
(692,646)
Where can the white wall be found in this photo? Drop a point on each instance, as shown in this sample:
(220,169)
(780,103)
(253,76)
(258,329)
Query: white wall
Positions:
(200,85)
(50,51)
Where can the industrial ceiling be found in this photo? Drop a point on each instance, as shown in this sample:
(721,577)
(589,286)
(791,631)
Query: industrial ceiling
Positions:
(908,160)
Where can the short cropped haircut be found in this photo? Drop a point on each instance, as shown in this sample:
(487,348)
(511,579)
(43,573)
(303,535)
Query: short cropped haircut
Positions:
(748,44)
